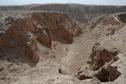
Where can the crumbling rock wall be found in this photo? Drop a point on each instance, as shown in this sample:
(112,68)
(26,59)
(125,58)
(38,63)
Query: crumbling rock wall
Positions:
(60,26)
(20,37)
(101,61)
(23,34)
(100,56)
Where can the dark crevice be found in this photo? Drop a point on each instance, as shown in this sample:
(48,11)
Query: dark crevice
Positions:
(109,74)
(83,77)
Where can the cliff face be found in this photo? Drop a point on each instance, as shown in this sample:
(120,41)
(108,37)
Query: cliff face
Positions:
(23,34)
(59,26)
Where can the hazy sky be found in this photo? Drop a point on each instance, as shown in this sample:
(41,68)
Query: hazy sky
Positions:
(97,2)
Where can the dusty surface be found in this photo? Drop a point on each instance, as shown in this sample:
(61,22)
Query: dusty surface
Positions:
(96,56)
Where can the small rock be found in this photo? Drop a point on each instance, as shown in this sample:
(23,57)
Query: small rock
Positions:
(1,69)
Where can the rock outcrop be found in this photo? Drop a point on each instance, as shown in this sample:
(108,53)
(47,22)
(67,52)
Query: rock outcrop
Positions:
(23,34)
(100,56)
(59,26)
(101,61)
(19,36)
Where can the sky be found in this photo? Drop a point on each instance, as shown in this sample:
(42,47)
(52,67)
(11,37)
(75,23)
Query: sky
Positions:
(90,2)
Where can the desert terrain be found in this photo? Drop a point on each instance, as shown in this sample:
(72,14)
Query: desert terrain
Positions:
(62,44)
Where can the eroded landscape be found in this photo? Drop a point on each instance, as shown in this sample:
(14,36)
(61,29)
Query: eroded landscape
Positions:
(63,44)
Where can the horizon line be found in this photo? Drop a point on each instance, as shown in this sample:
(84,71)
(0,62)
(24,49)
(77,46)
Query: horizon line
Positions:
(61,4)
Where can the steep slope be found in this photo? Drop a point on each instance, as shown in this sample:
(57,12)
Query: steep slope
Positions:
(23,34)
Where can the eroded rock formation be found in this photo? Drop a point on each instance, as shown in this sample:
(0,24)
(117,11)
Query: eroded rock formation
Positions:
(60,26)
(100,56)
(101,61)
(23,34)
